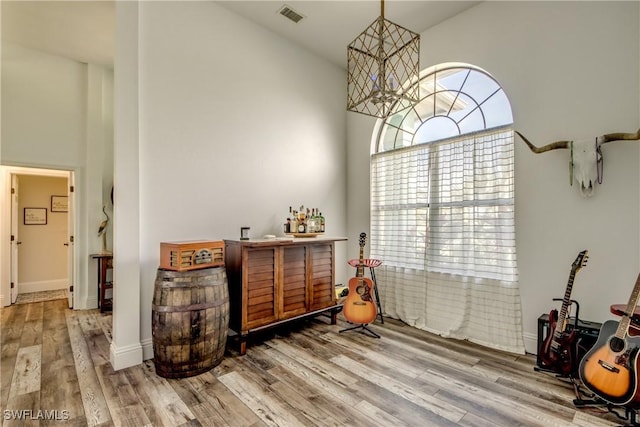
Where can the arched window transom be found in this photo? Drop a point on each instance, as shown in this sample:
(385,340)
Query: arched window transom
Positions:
(455,99)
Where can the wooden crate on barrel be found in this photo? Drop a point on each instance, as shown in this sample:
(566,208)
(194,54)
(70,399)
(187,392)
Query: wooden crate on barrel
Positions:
(191,255)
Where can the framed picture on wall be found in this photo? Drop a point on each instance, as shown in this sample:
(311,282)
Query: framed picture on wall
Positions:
(59,204)
(35,216)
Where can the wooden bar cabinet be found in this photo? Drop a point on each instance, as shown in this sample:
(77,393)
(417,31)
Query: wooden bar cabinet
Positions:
(278,280)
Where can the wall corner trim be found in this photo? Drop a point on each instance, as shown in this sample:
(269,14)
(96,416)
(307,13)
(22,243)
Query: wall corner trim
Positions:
(147,348)
(125,357)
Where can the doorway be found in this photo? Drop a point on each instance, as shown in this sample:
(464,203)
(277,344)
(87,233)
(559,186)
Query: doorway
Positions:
(42,229)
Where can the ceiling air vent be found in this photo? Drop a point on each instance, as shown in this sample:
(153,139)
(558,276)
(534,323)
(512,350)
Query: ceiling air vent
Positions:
(291,14)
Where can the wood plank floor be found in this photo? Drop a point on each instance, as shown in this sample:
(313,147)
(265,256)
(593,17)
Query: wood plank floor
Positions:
(55,364)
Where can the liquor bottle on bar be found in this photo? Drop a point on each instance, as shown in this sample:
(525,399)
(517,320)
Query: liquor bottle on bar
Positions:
(302,227)
(304,220)
(311,223)
(319,226)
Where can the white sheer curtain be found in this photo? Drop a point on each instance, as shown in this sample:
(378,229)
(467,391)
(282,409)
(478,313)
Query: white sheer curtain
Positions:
(442,222)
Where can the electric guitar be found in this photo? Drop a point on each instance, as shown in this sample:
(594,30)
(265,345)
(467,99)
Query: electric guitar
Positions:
(609,368)
(359,306)
(560,348)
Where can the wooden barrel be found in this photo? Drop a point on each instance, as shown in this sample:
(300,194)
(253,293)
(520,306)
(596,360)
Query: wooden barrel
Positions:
(190,320)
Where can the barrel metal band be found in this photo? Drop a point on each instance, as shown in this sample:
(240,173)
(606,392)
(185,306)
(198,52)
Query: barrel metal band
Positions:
(191,278)
(180,285)
(183,308)
(202,282)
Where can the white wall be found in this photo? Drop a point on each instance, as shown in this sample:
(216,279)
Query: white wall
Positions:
(236,124)
(43,106)
(570,70)
(56,115)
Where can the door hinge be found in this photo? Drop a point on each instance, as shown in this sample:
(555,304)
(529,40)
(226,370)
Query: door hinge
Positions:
(11,285)
(13,237)
(71,188)
(13,190)
(71,288)
(71,239)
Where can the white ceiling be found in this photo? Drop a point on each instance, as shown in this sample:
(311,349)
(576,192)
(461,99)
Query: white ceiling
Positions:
(84,30)
(79,30)
(329,26)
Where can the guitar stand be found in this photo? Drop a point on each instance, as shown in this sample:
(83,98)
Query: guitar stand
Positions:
(363,328)
(630,414)
(539,367)
(375,291)
(551,371)
(577,316)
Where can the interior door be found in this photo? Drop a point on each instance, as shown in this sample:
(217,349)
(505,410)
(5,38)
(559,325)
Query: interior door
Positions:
(71,239)
(14,238)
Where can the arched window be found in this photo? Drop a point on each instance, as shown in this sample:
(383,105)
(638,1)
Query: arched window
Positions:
(442,209)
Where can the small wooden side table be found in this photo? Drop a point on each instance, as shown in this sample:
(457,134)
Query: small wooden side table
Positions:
(105,263)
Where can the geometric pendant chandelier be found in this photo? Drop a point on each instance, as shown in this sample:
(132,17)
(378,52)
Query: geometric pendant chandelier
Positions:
(380,61)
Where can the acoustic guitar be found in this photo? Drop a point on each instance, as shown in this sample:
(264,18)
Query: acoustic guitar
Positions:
(359,306)
(560,348)
(609,369)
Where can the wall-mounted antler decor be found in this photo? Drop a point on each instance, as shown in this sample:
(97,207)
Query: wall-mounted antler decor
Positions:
(586,162)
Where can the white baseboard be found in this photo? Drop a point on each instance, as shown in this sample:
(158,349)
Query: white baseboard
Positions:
(125,357)
(92,302)
(44,285)
(147,349)
(5,300)
(530,342)
(86,303)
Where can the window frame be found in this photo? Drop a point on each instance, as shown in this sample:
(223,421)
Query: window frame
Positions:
(430,242)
